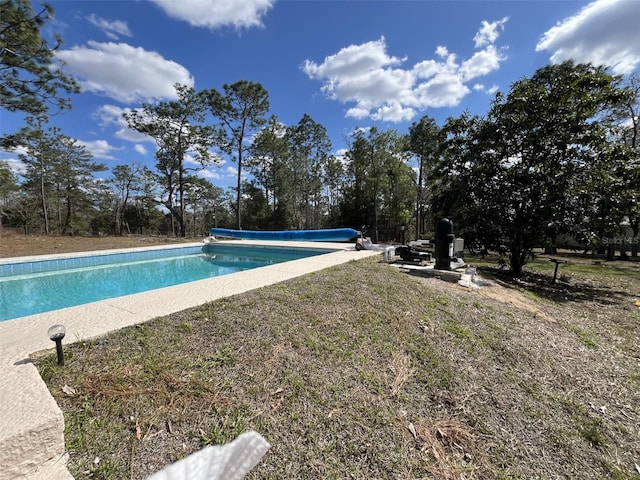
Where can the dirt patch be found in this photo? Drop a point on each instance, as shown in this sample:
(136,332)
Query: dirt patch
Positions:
(517,299)
(13,245)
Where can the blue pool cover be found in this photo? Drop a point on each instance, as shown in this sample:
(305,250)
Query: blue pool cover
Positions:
(323,235)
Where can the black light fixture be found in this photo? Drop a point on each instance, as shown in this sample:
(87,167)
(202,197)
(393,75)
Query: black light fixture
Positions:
(56,333)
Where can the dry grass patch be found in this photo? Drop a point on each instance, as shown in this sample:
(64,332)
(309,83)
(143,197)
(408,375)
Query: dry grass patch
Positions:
(16,245)
(449,450)
(366,371)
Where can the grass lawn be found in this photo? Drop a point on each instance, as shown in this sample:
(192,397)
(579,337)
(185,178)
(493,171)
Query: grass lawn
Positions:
(366,371)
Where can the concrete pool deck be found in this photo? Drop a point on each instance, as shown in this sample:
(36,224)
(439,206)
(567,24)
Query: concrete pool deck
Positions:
(32,425)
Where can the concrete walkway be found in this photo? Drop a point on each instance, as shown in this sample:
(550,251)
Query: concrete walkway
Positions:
(32,424)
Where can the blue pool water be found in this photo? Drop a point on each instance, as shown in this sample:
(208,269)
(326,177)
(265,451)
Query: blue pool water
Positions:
(33,287)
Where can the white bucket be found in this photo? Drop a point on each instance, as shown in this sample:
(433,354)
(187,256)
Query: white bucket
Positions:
(389,254)
(465,280)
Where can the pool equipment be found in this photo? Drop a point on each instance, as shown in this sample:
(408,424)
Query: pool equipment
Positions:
(444,244)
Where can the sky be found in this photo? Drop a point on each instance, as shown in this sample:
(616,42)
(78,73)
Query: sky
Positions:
(346,63)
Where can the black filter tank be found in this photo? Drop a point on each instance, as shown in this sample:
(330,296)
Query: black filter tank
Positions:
(444,244)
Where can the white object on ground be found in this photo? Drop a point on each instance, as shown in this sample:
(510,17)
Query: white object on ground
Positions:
(390,254)
(470,278)
(231,461)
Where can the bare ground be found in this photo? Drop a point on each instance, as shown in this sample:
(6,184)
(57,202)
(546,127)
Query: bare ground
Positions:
(15,245)
(368,371)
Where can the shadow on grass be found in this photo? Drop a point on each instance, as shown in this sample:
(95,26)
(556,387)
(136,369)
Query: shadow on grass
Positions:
(540,284)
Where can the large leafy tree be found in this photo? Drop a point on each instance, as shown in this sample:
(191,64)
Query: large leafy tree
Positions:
(256,206)
(241,110)
(379,189)
(74,185)
(424,143)
(309,147)
(58,177)
(204,201)
(40,162)
(293,165)
(628,131)
(8,189)
(31,79)
(333,180)
(127,182)
(267,162)
(8,183)
(176,126)
(355,207)
(517,176)
(458,177)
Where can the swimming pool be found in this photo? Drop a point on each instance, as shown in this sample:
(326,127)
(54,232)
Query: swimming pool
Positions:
(36,286)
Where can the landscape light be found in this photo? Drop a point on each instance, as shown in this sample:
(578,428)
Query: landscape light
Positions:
(56,333)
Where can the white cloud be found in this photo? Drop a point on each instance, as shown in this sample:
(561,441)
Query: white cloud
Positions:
(340,155)
(112,28)
(190,159)
(489,32)
(217,13)
(479,87)
(112,115)
(123,72)
(443,90)
(381,89)
(605,32)
(16,165)
(393,112)
(10,157)
(481,63)
(100,149)
(443,52)
(209,174)
(140,149)
(352,60)
(358,113)
(17,150)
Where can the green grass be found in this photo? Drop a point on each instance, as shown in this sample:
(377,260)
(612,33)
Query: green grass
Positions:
(581,266)
(586,424)
(401,377)
(584,336)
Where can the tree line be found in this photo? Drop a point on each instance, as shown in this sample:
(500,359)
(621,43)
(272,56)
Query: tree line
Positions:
(555,157)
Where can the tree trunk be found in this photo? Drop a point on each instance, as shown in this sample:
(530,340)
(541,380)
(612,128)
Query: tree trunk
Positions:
(67,220)
(419,201)
(181,219)
(45,214)
(239,197)
(516,264)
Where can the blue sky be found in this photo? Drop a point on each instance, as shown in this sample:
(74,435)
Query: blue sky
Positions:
(345,63)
